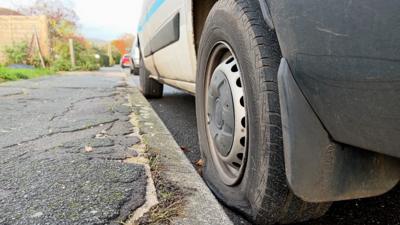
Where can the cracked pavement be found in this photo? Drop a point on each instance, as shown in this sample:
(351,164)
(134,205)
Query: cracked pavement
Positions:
(63,142)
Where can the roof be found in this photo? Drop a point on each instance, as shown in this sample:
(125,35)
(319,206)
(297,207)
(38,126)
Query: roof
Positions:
(9,12)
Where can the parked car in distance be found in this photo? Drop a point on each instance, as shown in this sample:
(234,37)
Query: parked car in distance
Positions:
(297,102)
(135,57)
(125,61)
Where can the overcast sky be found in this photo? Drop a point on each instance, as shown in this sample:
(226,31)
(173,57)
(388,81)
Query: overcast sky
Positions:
(100,19)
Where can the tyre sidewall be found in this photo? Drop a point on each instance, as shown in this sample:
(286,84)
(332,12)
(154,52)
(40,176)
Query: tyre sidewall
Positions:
(248,195)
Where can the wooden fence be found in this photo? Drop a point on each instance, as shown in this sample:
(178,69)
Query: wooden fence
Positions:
(16,29)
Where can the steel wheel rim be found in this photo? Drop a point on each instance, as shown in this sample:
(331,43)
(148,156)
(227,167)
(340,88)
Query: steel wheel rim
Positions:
(230,163)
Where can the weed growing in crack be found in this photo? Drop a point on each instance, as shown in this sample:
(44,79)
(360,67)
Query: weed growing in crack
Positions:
(171,198)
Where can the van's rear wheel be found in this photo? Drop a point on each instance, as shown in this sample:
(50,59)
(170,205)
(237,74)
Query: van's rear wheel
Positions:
(239,119)
(149,87)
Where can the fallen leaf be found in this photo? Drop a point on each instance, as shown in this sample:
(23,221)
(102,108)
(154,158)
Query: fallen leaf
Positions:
(88,149)
(101,135)
(200,163)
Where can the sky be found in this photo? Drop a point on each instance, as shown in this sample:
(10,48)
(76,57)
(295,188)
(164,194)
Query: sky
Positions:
(99,19)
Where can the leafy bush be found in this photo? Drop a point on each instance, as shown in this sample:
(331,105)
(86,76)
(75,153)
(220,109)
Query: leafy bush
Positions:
(117,57)
(17,53)
(61,64)
(84,57)
(87,61)
(61,49)
(104,60)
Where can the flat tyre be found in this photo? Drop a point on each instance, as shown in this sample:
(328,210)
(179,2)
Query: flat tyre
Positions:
(238,115)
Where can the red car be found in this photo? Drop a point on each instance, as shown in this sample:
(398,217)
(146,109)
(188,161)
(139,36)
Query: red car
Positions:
(126,61)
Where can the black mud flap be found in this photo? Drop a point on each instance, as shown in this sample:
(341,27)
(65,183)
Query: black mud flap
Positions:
(319,169)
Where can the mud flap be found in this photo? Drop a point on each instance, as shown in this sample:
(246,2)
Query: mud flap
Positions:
(319,169)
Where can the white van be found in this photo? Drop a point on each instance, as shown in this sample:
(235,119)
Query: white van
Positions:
(289,97)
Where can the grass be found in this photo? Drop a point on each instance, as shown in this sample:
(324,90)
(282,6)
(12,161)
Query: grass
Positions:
(8,74)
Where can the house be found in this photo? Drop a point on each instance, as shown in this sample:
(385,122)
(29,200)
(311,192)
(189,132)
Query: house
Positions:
(9,12)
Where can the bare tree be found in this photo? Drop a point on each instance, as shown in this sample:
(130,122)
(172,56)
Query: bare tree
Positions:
(62,19)
(54,9)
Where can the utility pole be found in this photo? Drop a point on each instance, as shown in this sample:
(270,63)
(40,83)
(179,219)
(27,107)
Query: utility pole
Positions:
(72,52)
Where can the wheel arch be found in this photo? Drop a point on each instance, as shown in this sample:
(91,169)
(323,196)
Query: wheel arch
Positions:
(201,8)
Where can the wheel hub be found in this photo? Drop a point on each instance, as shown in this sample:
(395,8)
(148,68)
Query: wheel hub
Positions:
(218,115)
(221,113)
(226,118)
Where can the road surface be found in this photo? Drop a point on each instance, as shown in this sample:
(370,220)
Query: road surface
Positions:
(63,140)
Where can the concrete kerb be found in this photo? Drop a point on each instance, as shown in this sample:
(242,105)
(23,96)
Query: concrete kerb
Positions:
(201,207)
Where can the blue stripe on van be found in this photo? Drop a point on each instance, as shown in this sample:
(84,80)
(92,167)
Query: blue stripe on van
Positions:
(153,9)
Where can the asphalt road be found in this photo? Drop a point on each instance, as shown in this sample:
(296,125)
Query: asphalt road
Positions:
(63,140)
(177,110)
